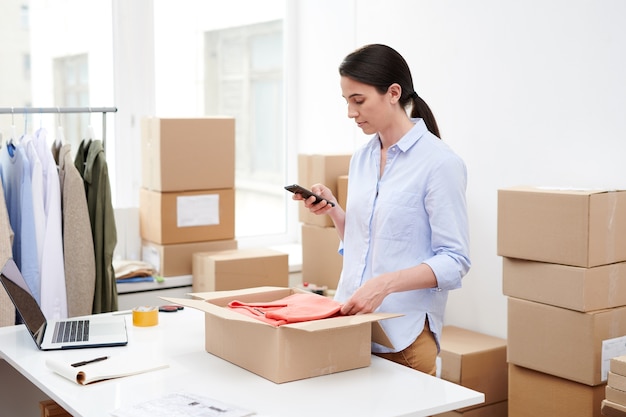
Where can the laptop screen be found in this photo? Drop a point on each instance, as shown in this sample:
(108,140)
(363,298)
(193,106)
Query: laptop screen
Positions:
(23,300)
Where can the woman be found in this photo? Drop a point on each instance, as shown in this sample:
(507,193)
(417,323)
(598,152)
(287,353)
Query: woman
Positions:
(404,232)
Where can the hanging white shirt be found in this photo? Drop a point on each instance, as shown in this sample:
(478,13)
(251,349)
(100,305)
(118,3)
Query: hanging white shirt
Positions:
(53,289)
(36,177)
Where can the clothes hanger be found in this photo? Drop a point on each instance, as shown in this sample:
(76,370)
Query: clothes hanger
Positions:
(13,135)
(60,136)
(90,132)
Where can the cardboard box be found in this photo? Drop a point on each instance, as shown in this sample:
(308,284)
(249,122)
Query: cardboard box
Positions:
(611,409)
(342,190)
(565,343)
(188,154)
(617,381)
(322,169)
(289,352)
(536,394)
(578,228)
(476,361)
(49,408)
(618,365)
(492,410)
(177,259)
(615,395)
(184,217)
(239,268)
(321,263)
(573,287)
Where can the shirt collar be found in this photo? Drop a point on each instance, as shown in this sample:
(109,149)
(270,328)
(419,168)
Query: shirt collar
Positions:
(410,138)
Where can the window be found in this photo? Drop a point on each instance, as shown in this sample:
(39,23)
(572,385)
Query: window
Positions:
(183,60)
(25,17)
(244,78)
(71,89)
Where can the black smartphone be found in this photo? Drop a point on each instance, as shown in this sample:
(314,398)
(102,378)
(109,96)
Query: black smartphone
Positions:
(297,189)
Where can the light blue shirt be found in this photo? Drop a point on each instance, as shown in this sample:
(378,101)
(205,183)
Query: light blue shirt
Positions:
(415,213)
(16,181)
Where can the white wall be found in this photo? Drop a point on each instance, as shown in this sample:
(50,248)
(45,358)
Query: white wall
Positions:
(528,92)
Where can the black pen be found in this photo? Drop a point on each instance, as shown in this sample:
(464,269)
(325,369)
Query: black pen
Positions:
(101,358)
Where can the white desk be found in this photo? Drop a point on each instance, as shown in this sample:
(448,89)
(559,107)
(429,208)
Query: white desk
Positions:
(382,389)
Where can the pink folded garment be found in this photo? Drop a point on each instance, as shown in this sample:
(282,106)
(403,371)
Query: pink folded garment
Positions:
(294,308)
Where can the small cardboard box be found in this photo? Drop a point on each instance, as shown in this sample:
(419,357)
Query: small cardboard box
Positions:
(239,268)
(289,352)
(617,381)
(573,287)
(324,169)
(189,216)
(321,263)
(618,365)
(476,361)
(536,394)
(612,409)
(188,154)
(565,343)
(177,259)
(569,227)
(615,395)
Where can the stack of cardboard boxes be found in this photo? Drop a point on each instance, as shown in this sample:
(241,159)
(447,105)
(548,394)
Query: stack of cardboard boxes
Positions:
(321,263)
(615,403)
(564,273)
(476,361)
(187,199)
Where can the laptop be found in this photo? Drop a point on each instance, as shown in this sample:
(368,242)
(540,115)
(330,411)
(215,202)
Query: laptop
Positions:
(72,333)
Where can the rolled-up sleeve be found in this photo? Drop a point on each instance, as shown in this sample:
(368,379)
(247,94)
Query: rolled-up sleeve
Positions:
(446,205)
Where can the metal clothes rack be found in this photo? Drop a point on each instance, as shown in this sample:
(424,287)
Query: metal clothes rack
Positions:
(39,110)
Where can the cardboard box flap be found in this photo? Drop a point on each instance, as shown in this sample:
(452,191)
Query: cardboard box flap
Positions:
(207,307)
(342,321)
(378,334)
(245,295)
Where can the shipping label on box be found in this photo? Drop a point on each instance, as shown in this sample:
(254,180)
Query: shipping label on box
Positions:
(198,210)
(165,220)
(569,227)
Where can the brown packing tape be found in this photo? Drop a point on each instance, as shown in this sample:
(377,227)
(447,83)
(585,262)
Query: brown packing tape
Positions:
(145,316)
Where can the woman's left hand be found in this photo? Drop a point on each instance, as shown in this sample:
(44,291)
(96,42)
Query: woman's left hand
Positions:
(367,298)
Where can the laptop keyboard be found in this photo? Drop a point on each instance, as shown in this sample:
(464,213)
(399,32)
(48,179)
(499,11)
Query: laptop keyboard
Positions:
(71,331)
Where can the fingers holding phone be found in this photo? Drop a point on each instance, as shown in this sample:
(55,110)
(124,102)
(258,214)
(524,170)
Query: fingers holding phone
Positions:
(316,199)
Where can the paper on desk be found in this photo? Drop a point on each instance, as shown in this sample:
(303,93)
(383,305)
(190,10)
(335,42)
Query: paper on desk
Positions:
(113,367)
(182,404)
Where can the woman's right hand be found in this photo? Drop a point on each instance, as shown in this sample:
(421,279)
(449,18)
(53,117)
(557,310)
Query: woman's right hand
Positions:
(323,207)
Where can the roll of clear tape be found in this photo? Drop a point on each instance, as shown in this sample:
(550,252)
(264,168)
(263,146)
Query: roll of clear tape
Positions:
(145,316)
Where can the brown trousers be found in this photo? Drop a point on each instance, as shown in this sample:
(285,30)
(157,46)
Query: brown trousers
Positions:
(420,355)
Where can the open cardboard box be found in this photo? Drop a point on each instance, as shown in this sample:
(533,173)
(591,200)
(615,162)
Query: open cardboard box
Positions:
(288,352)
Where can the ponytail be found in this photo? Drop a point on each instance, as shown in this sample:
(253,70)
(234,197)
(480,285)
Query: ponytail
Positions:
(421,110)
